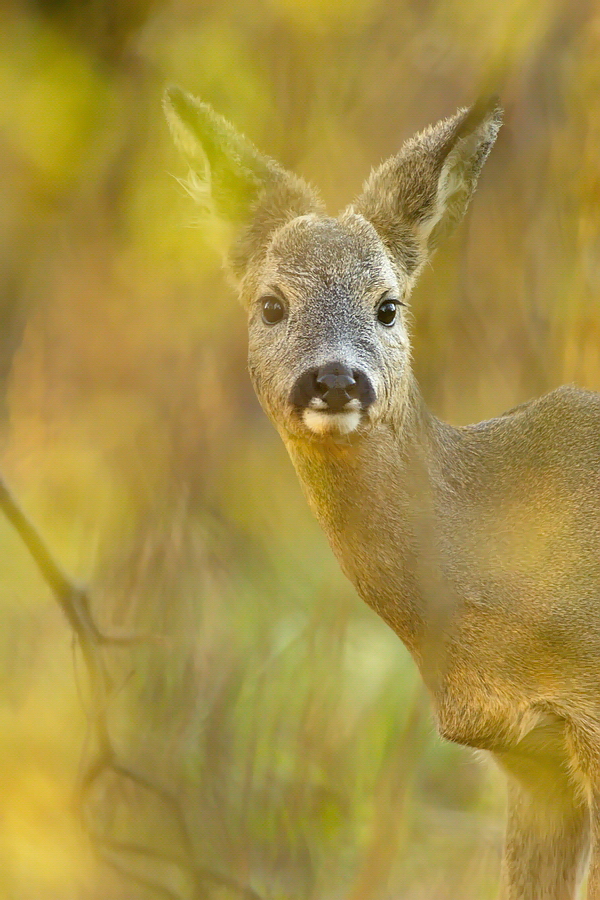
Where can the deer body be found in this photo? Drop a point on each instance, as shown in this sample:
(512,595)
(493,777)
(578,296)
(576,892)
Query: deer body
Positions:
(487,567)
(479,545)
(486,555)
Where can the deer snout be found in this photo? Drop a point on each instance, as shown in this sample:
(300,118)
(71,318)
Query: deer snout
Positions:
(332,387)
(336,385)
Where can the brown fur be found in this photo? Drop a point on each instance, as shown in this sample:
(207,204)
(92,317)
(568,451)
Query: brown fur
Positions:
(478,545)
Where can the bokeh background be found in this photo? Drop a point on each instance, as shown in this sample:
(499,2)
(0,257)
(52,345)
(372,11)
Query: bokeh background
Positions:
(285,716)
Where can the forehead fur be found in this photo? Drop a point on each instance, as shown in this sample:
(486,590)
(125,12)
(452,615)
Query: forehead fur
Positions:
(321,252)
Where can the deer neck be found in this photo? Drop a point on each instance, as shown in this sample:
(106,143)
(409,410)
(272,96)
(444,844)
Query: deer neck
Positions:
(377,498)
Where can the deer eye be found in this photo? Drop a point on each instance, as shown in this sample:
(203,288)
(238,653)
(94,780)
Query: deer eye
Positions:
(273,310)
(386,312)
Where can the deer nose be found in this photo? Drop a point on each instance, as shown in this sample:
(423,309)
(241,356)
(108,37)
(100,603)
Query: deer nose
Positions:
(336,385)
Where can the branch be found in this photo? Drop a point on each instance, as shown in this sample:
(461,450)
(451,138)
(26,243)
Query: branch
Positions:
(75,603)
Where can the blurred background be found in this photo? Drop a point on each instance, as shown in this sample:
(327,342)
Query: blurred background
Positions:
(283,714)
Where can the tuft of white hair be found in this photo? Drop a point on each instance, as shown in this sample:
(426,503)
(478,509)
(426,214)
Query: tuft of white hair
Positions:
(331,423)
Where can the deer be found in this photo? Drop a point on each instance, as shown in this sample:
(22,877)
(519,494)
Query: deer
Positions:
(478,545)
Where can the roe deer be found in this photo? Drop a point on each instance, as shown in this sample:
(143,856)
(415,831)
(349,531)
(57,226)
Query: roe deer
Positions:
(478,545)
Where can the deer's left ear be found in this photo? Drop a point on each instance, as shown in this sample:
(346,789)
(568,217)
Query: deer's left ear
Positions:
(231,177)
(416,197)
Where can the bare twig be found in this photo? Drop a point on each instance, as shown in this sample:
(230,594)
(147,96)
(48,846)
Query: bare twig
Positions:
(75,603)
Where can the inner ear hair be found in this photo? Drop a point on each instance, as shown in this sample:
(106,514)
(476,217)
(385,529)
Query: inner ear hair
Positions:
(229,176)
(417,196)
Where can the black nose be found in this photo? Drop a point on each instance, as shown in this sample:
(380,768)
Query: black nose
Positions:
(336,385)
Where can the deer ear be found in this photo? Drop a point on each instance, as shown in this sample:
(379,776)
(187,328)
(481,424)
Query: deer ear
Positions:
(229,175)
(226,170)
(415,198)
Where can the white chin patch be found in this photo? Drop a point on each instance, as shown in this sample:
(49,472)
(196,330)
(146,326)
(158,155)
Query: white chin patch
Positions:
(331,423)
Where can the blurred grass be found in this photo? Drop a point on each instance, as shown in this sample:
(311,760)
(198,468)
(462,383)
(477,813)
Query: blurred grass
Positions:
(288,719)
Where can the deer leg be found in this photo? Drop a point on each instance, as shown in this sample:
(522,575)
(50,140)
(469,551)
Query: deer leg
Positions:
(593,885)
(585,745)
(545,849)
(548,828)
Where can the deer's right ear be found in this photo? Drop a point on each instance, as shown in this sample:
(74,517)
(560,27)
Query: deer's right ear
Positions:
(229,176)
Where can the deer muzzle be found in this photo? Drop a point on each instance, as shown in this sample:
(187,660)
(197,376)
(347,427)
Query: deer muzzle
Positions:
(333,388)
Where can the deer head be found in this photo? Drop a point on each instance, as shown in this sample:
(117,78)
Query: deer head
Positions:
(329,352)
